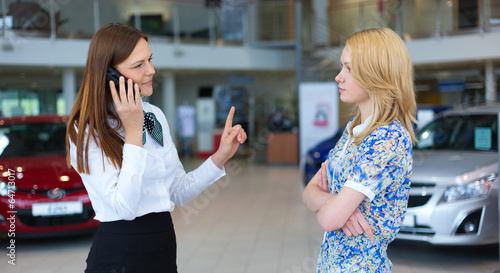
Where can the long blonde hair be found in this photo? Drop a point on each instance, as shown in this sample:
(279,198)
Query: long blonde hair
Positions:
(380,63)
(110,46)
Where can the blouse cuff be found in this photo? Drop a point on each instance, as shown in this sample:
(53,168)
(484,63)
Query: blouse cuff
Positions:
(209,167)
(134,158)
(362,189)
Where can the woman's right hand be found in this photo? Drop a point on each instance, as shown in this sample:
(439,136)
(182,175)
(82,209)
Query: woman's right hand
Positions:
(322,177)
(129,108)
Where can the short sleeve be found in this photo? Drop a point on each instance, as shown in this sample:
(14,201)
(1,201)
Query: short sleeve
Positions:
(379,164)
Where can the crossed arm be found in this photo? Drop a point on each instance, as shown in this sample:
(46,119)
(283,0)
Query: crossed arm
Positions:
(336,211)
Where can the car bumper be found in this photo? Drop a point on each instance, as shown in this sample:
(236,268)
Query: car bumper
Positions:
(20,222)
(442,223)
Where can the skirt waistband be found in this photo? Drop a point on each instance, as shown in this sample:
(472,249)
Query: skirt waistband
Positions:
(149,223)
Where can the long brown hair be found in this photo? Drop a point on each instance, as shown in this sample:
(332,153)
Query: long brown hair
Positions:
(110,46)
(381,64)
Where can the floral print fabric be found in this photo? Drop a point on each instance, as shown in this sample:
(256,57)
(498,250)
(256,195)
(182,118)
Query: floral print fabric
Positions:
(380,167)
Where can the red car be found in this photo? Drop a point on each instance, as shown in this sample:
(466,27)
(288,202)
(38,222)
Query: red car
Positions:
(39,195)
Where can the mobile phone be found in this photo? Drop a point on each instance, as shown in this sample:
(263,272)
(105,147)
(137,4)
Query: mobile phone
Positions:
(113,75)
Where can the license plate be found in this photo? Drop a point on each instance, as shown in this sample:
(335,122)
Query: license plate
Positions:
(409,220)
(57,208)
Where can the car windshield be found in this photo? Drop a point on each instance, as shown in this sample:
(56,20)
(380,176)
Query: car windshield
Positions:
(471,132)
(32,139)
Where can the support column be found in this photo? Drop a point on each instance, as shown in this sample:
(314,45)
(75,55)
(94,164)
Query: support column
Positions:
(169,105)
(490,82)
(246,26)
(211,26)
(298,43)
(52,13)
(69,88)
(4,15)
(48,102)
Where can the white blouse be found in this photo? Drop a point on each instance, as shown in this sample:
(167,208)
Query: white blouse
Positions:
(152,178)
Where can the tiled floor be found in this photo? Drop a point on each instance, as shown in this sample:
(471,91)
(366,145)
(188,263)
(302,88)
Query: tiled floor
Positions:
(250,221)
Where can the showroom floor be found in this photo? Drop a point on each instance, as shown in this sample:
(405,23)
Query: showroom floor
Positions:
(251,221)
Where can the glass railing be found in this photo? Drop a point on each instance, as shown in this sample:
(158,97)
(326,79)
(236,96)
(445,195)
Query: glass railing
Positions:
(192,22)
(183,21)
(272,22)
(414,19)
(255,22)
(30,18)
(492,16)
(51,18)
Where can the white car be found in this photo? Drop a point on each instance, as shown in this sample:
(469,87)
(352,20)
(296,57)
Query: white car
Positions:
(454,190)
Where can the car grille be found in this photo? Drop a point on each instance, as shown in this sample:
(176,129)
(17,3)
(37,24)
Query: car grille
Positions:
(417,230)
(420,193)
(26,217)
(44,192)
(416,201)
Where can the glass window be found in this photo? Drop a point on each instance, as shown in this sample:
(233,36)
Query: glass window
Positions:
(447,17)
(75,18)
(419,20)
(276,21)
(460,132)
(492,14)
(32,139)
(19,102)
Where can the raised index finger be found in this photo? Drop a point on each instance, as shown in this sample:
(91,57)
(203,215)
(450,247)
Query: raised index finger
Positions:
(229,120)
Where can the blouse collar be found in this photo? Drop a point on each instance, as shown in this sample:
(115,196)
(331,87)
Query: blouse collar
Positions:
(359,128)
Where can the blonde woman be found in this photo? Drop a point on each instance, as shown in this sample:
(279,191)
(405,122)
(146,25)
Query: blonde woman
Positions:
(362,201)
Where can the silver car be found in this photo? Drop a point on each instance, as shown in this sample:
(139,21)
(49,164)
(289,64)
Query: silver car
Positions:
(454,191)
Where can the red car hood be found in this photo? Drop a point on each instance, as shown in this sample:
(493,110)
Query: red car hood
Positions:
(40,173)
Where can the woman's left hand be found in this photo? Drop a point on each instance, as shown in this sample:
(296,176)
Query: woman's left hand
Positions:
(357,225)
(232,137)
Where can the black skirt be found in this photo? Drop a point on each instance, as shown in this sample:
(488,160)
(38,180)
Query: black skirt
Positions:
(145,244)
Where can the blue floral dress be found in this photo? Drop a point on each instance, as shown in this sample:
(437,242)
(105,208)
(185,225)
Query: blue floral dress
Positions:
(380,167)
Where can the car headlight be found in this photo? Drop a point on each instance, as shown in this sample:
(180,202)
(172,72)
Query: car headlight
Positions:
(476,189)
(4,188)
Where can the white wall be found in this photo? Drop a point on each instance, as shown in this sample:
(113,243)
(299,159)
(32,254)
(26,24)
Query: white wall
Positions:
(452,49)
(455,49)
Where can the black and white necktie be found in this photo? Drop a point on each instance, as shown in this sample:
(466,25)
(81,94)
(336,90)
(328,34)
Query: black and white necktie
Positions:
(153,126)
